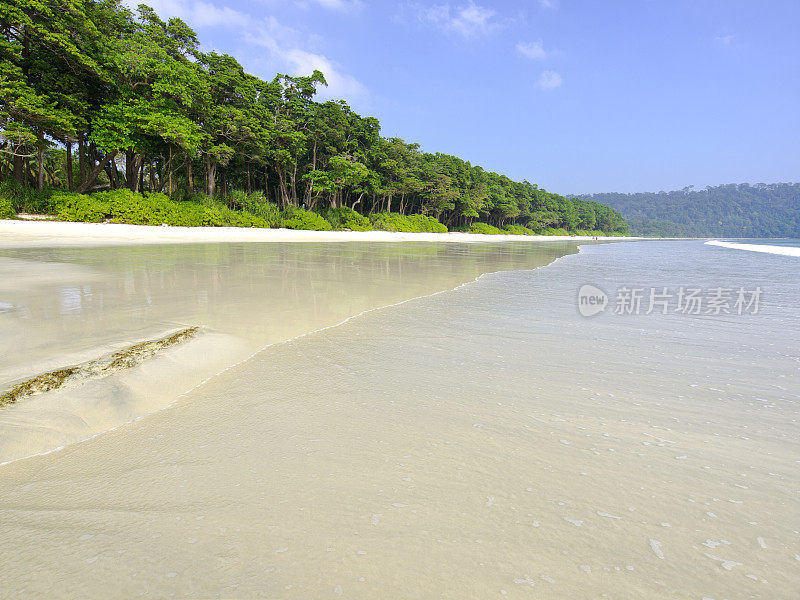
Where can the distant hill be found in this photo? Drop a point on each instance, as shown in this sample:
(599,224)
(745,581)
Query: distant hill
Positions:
(732,210)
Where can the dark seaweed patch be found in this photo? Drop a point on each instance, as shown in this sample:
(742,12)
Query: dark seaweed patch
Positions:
(124,359)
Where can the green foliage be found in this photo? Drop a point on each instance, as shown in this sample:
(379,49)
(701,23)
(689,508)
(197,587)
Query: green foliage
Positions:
(345,218)
(76,207)
(6,209)
(518,230)
(25,199)
(154,209)
(392,222)
(147,110)
(256,204)
(484,228)
(407,224)
(299,218)
(123,206)
(426,224)
(554,231)
(723,211)
(593,233)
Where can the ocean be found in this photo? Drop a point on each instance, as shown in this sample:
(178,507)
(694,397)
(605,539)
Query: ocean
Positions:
(483,437)
(787,247)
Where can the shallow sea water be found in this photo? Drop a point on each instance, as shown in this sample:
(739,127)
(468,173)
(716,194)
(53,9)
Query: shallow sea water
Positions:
(64,306)
(487,442)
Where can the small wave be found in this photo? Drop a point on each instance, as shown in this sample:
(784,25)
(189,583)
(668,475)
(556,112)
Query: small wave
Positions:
(259,351)
(784,250)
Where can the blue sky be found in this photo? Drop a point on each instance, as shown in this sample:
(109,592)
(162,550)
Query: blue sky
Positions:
(577,96)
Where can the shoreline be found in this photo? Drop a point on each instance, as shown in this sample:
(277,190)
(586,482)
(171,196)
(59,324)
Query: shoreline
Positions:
(37,407)
(344,450)
(21,234)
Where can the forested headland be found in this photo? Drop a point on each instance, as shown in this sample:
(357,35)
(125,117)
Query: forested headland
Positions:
(112,114)
(732,210)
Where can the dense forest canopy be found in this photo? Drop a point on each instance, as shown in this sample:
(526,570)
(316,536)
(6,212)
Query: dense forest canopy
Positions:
(760,210)
(94,96)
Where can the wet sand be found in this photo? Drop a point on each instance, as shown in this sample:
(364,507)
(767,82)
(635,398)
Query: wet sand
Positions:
(483,442)
(60,307)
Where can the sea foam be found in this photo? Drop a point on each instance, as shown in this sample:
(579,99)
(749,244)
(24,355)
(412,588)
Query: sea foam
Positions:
(784,250)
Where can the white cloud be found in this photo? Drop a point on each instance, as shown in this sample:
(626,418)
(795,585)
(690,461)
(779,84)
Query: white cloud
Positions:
(340,85)
(467,20)
(532,50)
(196,14)
(550,80)
(343,6)
(340,5)
(724,40)
(286,47)
(548,4)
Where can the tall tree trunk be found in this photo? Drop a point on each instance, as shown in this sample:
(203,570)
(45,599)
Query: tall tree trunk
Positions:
(69,165)
(40,165)
(282,184)
(19,166)
(224,182)
(152,178)
(310,187)
(169,172)
(130,170)
(211,177)
(109,169)
(249,190)
(189,178)
(293,180)
(81,158)
(92,175)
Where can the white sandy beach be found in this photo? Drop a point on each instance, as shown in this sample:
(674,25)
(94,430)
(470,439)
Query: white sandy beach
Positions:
(19,234)
(64,305)
(481,442)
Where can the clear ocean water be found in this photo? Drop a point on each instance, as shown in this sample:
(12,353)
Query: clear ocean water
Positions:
(486,441)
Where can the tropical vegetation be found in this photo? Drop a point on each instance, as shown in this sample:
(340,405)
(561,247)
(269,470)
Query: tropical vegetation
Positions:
(732,210)
(98,99)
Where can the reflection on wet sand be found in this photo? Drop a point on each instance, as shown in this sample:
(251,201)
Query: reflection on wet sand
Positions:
(64,306)
(486,442)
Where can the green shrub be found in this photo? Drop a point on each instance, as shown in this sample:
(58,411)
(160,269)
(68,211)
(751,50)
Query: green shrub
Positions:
(300,218)
(239,218)
(77,207)
(7,209)
(484,228)
(345,218)
(594,232)
(426,224)
(124,206)
(406,224)
(24,199)
(388,221)
(256,204)
(235,199)
(519,230)
(552,231)
(136,209)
